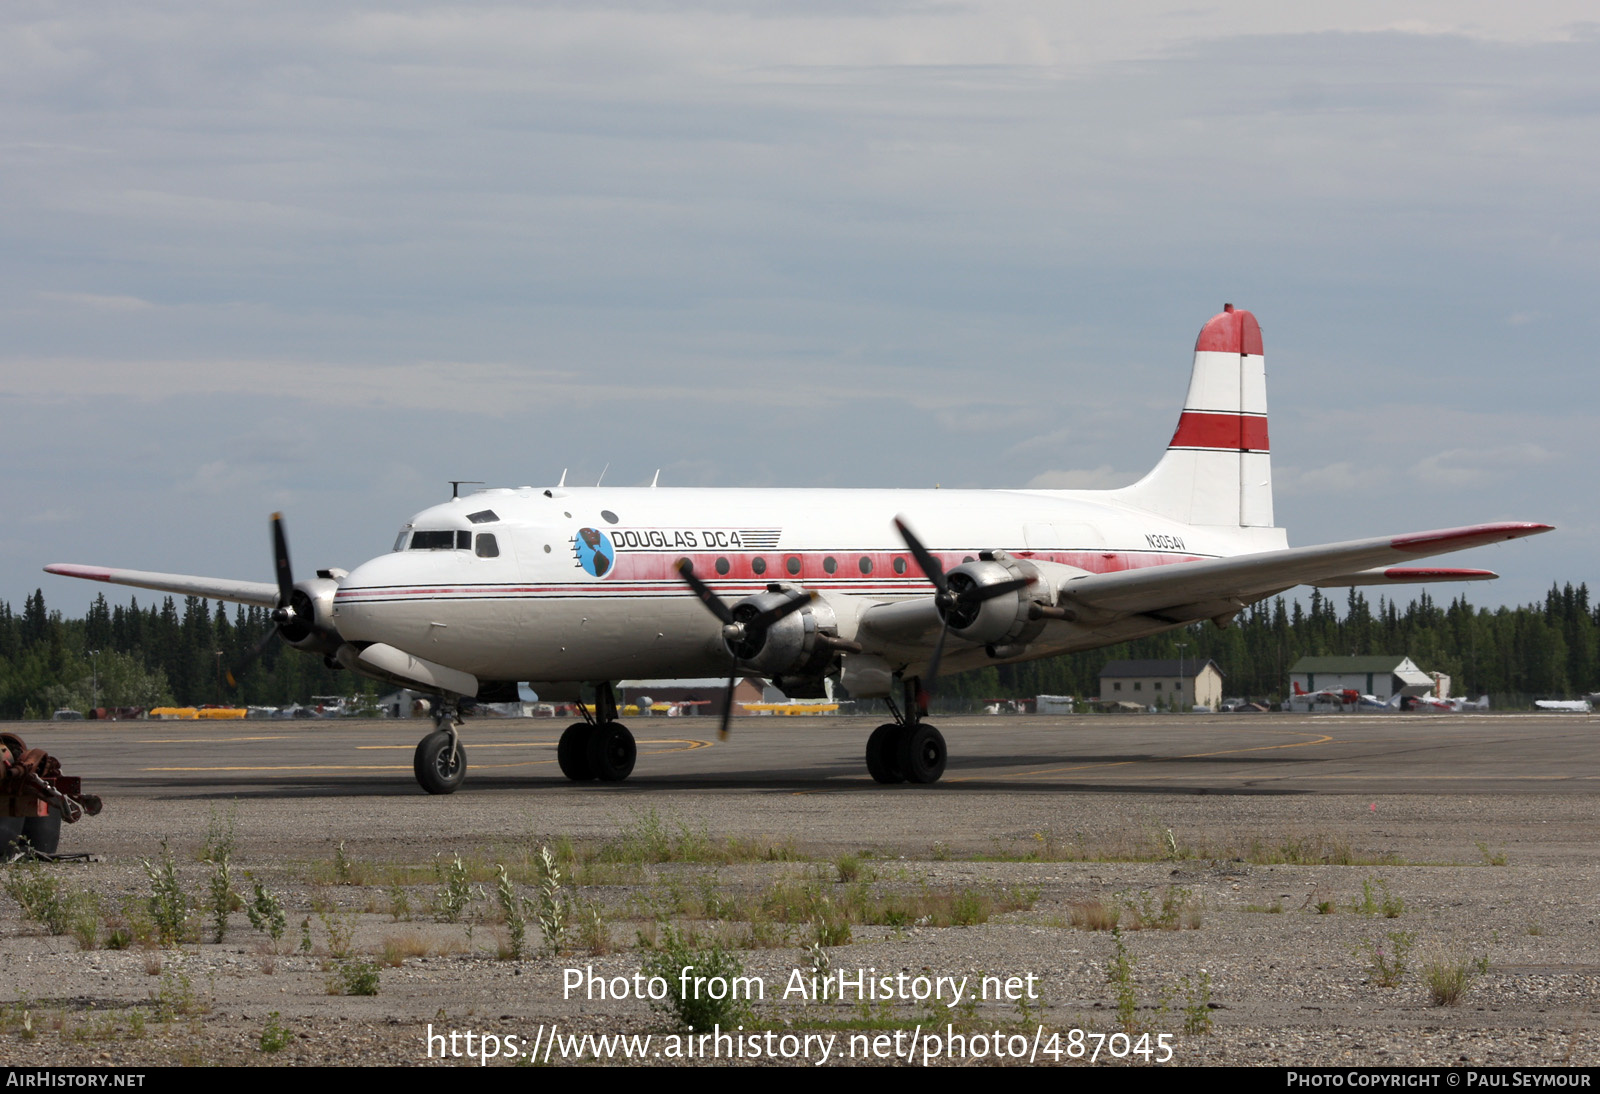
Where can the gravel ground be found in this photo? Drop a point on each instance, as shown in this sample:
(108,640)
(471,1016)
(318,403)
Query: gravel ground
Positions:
(1502,885)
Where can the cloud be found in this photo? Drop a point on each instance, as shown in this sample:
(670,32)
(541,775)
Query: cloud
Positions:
(1101,478)
(1459,468)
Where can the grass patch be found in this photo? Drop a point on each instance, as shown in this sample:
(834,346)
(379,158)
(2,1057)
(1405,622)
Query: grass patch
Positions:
(1448,978)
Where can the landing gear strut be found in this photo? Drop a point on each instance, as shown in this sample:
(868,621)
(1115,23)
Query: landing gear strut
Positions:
(599,747)
(906,749)
(440,762)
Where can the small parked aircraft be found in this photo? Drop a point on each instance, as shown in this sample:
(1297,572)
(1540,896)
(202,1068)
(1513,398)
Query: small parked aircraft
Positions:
(873,590)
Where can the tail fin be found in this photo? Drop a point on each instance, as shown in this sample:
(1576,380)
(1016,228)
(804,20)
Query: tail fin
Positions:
(1218,468)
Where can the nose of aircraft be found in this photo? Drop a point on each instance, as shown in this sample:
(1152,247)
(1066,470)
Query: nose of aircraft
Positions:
(364,594)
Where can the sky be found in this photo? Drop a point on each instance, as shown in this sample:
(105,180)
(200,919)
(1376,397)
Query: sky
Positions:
(322,258)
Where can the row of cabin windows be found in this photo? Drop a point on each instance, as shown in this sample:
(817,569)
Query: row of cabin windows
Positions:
(486,546)
(1138,685)
(758,566)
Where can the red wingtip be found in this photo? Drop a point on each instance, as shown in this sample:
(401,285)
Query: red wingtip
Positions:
(67,569)
(1470,536)
(1230,331)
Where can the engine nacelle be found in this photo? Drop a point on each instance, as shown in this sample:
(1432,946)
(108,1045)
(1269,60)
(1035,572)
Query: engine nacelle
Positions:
(798,645)
(311,627)
(1003,620)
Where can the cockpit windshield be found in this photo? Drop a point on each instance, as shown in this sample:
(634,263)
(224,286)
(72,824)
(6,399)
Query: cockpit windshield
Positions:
(451,540)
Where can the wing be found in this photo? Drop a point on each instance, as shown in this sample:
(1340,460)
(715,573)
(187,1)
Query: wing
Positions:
(216,588)
(1198,590)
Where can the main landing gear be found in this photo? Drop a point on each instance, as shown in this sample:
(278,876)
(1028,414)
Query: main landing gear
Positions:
(440,762)
(907,749)
(599,747)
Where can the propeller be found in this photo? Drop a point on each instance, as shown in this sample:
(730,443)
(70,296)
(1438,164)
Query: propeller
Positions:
(744,627)
(284,616)
(957,597)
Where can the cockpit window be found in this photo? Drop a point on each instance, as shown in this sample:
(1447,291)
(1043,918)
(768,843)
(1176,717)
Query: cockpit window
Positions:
(483,516)
(400,540)
(440,541)
(487,545)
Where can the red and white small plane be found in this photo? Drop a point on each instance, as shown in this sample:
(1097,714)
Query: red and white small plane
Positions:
(562,587)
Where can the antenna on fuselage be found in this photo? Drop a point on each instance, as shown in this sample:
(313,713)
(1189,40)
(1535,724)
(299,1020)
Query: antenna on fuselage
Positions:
(656,479)
(602,477)
(563,481)
(457,484)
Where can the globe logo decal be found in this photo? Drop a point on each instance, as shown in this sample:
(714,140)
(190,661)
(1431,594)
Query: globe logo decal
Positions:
(595,551)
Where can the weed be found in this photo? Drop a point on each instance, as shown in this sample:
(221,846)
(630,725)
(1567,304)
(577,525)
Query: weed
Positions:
(1448,977)
(1536,928)
(551,909)
(175,995)
(1196,1003)
(266,912)
(1094,915)
(593,934)
(1325,907)
(940,852)
(399,902)
(341,934)
(704,985)
(1119,974)
(275,1036)
(305,935)
(511,906)
(168,903)
(1275,908)
(220,842)
(354,978)
(222,894)
(1491,858)
(455,891)
(1371,903)
(136,1025)
(1176,909)
(1386,958)
(849,867)
(342,872)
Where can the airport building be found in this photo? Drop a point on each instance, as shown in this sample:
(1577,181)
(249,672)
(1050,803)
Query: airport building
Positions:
(1178,684)
(1381,676)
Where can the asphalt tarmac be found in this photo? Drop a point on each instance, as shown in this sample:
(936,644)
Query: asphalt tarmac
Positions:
(1138,754)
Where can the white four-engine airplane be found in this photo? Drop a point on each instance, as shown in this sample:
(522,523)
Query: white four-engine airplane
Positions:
(563,587)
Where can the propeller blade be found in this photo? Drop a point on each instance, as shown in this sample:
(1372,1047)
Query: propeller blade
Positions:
(704,592)
(925,561)
(280,559)
(727,706)
(248,659)
(925,691)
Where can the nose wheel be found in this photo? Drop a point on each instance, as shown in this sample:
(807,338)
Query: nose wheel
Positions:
(440,762)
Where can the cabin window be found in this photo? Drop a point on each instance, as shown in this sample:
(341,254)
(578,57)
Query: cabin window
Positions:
(488,547)
(722,567)
(793,565)
(866,565)
(758,566)
(830,564)
(899,565)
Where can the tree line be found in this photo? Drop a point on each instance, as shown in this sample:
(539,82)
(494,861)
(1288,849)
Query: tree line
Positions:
(177,652)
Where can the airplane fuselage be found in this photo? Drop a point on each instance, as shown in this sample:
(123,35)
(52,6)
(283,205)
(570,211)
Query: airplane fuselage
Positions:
(580,584)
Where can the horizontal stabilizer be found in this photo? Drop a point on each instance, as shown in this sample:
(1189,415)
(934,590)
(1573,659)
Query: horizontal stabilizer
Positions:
(215,588)
(1246,578)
